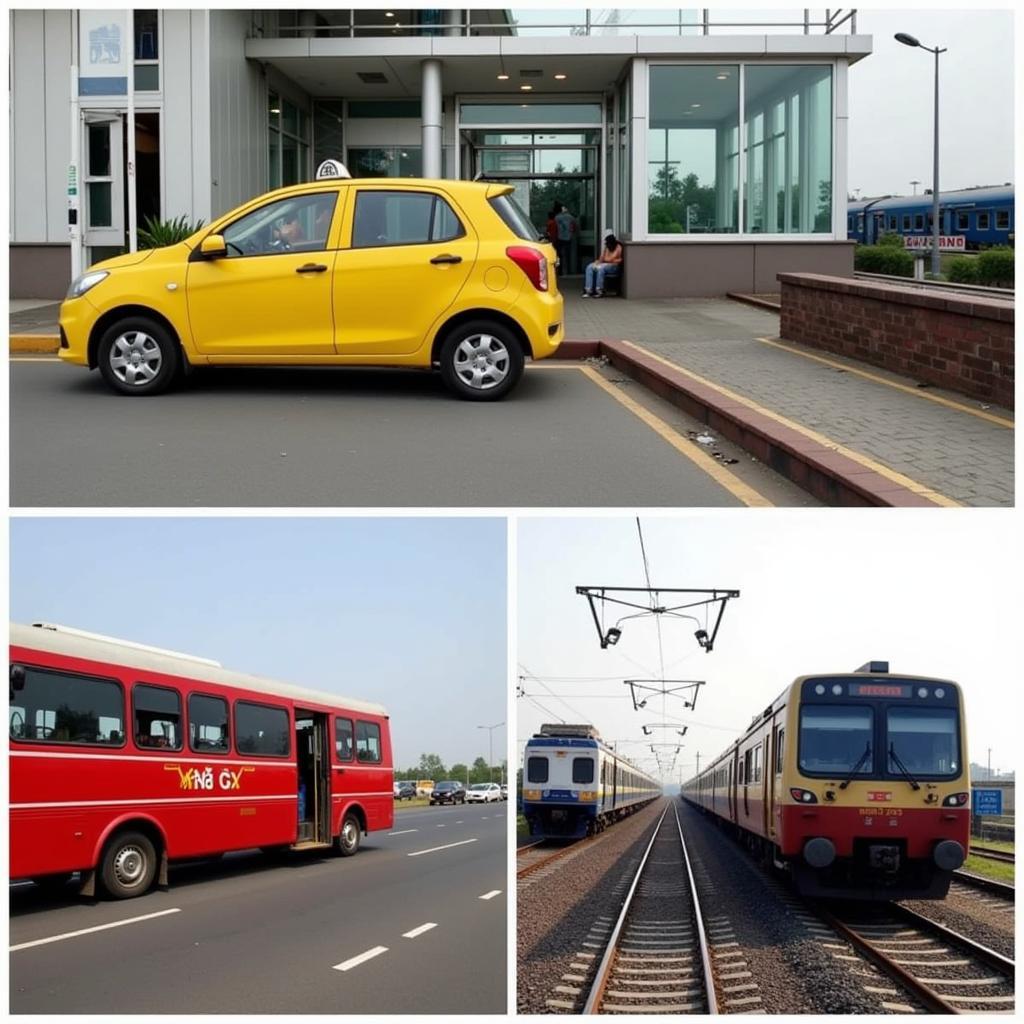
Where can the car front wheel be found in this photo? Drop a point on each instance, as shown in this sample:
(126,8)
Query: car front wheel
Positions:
(481,361)
(138,356)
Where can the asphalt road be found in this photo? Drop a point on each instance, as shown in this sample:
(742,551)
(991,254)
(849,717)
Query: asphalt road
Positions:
(245,935)
(271,438)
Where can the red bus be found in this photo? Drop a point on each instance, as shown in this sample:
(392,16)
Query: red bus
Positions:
(125,757)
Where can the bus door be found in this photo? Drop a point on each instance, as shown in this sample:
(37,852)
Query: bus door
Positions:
(314,781)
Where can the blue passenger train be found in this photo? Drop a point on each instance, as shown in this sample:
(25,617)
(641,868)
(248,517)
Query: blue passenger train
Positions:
(575,785)
(982,216)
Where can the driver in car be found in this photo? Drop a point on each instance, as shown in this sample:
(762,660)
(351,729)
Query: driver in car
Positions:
(289,231)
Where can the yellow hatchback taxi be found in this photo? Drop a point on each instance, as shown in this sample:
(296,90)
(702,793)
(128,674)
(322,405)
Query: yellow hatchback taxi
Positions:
(448,275)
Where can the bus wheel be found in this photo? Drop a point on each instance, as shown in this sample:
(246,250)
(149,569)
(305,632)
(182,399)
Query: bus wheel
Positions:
(347,841)
(129,865)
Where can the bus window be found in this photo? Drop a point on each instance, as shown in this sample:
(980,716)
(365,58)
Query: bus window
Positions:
(343,738)
(59,707)
(261,730)
(368,742)
(208,723)
(157,717)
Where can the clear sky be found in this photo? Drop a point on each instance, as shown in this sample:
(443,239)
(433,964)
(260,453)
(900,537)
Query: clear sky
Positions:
(407,612)
(933,594)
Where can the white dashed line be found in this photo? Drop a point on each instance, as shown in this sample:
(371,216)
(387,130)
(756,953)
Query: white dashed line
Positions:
(347,965)
(404,832)
(490,895)
(434,849)
(419,931)
(439,826)
(98,928)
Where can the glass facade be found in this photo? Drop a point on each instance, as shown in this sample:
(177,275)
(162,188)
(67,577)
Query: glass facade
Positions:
(386,162)
(693,152)
(288,142)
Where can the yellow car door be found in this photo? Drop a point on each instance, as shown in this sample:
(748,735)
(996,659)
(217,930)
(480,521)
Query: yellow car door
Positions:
(411,250)
(268,297)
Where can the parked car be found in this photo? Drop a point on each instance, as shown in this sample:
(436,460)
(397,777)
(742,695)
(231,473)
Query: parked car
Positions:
(405,790)
(484,793)
(309,275)
(448,792)
(504,791)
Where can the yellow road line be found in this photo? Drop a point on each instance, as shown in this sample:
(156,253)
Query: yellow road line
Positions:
(827,442)
(950,403)
(736,487)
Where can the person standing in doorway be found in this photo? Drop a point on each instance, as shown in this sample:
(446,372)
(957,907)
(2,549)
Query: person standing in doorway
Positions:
(566,225)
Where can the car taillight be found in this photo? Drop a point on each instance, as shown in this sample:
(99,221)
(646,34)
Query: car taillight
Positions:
(956,799)
(803,796)
(532,263)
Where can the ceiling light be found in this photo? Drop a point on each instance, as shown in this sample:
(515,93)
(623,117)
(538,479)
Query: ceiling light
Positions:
(526,88)
(388,14)
(723,76)
(503,77)
(694,105)
(561,78)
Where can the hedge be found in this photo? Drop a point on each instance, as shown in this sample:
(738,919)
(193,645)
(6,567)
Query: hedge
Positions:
(995,267)
(883,259)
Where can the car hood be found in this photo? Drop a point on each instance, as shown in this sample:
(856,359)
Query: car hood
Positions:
(128,259)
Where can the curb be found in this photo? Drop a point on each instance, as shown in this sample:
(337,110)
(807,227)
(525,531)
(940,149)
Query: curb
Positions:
(34,343)
(828,475)
(753,300)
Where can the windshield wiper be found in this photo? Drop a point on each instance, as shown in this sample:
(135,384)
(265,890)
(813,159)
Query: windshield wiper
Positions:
(856,767)
(902,767)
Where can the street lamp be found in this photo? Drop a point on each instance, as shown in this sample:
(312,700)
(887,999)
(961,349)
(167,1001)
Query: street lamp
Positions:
(915,183)
(908,40)
(490,748)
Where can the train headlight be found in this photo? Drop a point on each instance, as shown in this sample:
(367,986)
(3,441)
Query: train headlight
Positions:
(837,690)
(803,796)
(922,692)
(820,689)
(956,799)
(940,693)
(531,794)
(588,795)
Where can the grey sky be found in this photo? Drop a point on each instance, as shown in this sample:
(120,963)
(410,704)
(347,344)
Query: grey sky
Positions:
(930,594)
(407,612)
(891,101)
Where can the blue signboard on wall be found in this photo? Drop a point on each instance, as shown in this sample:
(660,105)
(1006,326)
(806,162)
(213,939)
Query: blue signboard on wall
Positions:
(986,801)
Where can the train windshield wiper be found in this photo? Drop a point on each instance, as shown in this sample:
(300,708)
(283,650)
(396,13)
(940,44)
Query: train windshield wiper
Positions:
(902,767)
(856,767)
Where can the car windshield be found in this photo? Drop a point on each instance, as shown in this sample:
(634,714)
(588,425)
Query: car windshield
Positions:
(924,739)
(445,785)
(833,739)
(479,785)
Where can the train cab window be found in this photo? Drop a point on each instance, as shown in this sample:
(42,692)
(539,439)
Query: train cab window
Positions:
(583,769)
(906,222)
(923,739)
(537,769)
(344,744)
(208,724)
(1002,220)
(63,707)
(368,742)
(833,739)
(261,730)
(780,746)
(963,220)
(157,713)
(919,222)
(892,222)
(984,221)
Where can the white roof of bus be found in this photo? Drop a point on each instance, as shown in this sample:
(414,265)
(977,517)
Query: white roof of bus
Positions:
(79,644)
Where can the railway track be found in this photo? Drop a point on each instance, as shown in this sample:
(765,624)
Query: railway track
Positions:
(534,856)
(657,958)
(1004,856)
(971,881)
(941,970)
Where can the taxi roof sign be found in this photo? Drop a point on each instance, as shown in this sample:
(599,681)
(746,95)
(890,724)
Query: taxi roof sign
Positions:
(332,169)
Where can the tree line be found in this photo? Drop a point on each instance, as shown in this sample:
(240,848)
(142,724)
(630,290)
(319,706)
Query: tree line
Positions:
(432,767)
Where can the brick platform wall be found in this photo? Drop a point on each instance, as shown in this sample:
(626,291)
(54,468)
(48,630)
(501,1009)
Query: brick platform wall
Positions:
(960,342)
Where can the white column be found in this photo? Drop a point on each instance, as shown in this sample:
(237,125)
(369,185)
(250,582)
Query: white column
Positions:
(431,92)
(840,148)
(453,18)
(638,137)
(133,242)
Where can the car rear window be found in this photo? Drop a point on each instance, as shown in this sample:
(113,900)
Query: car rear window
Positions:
(515,218)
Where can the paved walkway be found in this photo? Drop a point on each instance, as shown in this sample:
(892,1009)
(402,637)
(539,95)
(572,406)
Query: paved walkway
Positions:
(954,445)
(33,316)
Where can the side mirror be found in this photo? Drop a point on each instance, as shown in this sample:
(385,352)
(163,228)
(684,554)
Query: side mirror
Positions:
(17,677)
(213,246)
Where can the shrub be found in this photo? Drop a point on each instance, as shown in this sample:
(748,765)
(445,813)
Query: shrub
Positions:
(155,234)
(890,238)
(995,267)
(883,259)
(963,270)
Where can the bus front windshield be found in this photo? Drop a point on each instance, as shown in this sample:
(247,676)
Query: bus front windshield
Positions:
(923,739)
(833,740)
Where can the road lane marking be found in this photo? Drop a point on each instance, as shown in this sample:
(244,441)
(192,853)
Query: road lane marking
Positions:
(490,895)
(434,849)
(347,965)
(1000,421)
(404,832)
(814,435)
(419,931)
(439,826)
(737,488)
(459,822)
(97,928)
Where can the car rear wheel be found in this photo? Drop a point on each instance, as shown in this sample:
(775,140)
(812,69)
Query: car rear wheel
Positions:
(138,356)
(481,361)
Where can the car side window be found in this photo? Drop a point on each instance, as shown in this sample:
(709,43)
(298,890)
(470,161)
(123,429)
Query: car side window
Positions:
(294,224)
(385,217)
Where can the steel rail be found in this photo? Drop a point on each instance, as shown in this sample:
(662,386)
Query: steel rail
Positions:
(1003,889)
(529,869)
(995,960)
(942,286)
(1006,856)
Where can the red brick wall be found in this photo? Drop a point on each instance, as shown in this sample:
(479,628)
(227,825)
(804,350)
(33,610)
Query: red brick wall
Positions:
(959,342)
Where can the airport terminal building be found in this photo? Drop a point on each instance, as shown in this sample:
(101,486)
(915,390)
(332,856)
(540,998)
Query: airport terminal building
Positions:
(714,145)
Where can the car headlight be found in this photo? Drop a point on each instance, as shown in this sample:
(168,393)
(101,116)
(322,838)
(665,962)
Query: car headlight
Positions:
(82,284)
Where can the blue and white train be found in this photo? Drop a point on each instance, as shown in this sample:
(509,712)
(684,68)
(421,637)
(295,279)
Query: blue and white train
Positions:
(574,785)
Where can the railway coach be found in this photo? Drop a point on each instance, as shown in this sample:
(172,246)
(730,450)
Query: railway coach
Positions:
(855,783)
(125,757)
(575,785)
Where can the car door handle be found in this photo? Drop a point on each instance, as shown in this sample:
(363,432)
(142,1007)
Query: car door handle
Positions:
(446,258)
(311,268)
